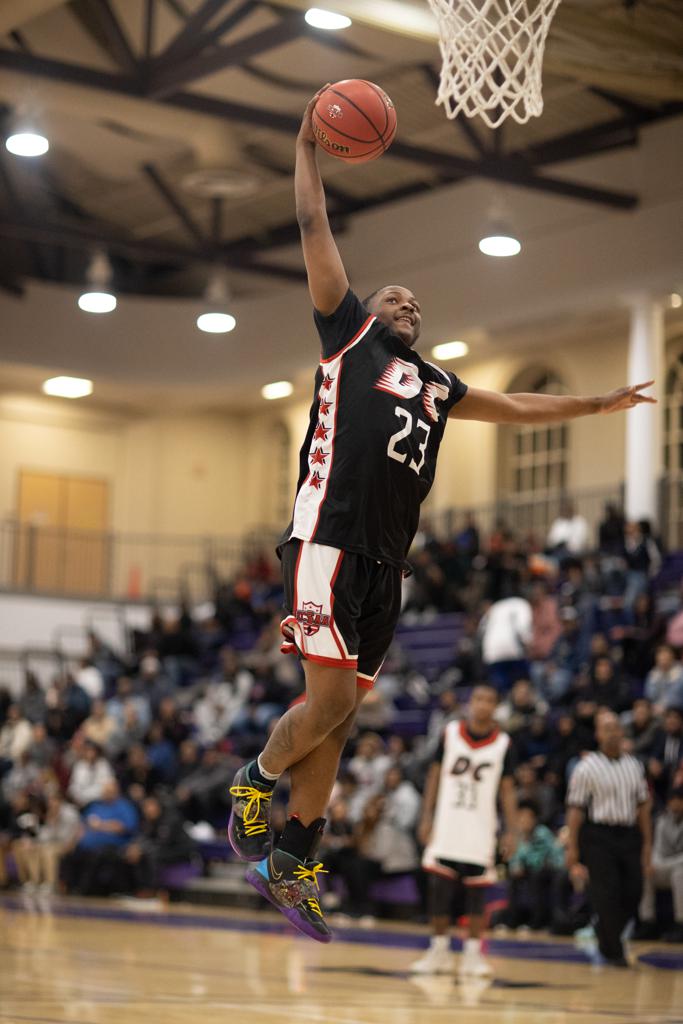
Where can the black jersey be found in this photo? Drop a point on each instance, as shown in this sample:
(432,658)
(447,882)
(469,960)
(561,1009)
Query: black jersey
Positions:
(368,460)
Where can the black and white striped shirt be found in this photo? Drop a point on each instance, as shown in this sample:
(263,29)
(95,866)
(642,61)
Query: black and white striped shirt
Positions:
(609,789)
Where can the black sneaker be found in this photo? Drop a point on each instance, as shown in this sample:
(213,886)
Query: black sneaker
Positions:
(292,886)
(249,828)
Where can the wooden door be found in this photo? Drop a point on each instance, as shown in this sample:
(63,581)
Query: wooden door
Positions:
(63,543)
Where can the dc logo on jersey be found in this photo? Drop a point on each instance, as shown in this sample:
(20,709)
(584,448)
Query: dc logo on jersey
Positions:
(433,392)
(400,378)
(463,765)
(311,618)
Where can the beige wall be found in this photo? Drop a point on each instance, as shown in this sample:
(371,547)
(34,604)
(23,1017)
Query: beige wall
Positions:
(214,474)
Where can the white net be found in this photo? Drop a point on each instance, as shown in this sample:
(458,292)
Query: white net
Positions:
(492,54)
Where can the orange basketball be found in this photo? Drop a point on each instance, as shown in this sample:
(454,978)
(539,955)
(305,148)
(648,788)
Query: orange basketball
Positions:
(354,120)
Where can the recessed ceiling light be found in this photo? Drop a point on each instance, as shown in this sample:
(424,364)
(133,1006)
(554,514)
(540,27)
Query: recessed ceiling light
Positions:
(279,389)
(27,144)
(319,18)
(675,300)
(216,323)
(97,302)
(68,387)
(451,350)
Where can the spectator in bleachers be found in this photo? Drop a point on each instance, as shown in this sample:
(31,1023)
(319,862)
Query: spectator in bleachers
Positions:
(532,789)
(43,749)
(640,730)
(203,793)
(506,634)
(23,827)
(152,683)
(554,675)
(667,868)
(520,707)
(178,650)
(674,630)
(90,775)
(611,532)
(664,682)
(604,687)
(39,852)
(161,841)
(15,737)
(162,754)
(536,872)
(138,777)
(90,679)
(467,539)
(386,835)
(568,534)
(101,728)
(564,751)
(369,767)
(644,628)
(125,698)
(546,625)
(23,776)
(174,722)
(32,701)
(642,560)
(71,702)
(95,867)
(667,751)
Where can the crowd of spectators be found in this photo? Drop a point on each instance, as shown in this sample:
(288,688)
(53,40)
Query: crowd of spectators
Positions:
(114,770)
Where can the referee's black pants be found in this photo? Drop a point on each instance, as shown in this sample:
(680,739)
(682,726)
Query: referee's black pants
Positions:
(612,855)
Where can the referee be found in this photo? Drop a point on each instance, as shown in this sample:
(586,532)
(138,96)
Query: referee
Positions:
(608,816)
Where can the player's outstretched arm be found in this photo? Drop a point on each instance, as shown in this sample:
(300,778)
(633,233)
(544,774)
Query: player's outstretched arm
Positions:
(492,407)
(327,280)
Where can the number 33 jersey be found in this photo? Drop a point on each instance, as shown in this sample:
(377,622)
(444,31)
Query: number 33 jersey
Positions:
(368,460)
(466,813)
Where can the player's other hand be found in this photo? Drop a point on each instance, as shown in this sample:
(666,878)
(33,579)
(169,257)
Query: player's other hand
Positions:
(424,831)
(306,130)
(508,844)
(626,398)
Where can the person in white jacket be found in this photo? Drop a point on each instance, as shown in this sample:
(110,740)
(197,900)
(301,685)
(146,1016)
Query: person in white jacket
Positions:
(89,776)
(15,735)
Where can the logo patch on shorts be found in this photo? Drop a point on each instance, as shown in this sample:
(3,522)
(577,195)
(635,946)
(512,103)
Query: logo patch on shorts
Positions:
(311,617)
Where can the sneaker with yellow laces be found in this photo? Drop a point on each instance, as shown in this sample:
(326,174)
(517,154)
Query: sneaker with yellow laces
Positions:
(291,885)
(249,828)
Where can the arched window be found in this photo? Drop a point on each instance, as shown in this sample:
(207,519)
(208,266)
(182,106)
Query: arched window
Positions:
(533,460)
(672,524)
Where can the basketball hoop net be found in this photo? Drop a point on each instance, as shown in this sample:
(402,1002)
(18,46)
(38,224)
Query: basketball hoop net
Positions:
(492,54)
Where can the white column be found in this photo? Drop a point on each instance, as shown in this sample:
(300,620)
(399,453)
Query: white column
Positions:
(643,424)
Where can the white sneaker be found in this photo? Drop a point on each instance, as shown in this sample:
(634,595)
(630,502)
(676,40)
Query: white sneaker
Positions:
(433,961)
(474,965)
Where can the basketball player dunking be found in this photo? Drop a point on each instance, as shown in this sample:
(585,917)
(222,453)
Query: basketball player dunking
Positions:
(472,768)
(368,459)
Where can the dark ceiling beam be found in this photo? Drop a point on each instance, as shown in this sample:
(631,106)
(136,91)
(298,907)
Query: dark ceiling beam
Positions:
(19,39)
(225,25)
(102,25)
(598,138)
(178,8)
(302,85)
(168,79)
(82,239)
(172,201)
(627,106)
(192,27)
(149,26)
(16,203)
(512,172)
(216,220)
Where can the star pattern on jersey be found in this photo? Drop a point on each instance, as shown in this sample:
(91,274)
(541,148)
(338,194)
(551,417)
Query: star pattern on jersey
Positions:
(318,457)
(321,431)
(327,382)
(324,407)
(316,480)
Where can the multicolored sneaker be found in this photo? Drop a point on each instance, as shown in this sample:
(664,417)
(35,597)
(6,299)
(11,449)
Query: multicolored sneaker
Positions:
(249,828)
(292,886)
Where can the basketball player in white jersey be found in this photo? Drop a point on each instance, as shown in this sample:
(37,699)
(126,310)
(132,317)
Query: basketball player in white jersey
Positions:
(473,766)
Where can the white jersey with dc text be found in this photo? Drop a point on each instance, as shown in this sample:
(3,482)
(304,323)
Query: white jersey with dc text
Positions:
(466,815)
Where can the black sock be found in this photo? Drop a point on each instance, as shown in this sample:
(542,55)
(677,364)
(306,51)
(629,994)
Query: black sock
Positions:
(301,841)
(254,775)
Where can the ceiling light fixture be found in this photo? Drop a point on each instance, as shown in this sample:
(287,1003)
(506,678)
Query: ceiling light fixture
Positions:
(451,350)
(98,298)
(499,241)
(675,300)
(216,319)
(318,18)
(68,387)
(27,143)
(278,389)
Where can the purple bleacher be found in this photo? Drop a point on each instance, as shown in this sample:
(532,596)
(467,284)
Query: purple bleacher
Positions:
(431,646)
(177,876)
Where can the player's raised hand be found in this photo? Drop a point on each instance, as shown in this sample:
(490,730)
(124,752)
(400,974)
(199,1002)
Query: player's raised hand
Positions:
(306,130)
(626,398)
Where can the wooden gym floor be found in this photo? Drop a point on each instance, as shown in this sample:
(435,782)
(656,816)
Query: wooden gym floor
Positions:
(101,963)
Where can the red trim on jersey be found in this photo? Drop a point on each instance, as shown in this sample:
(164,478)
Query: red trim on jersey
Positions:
(442,871)
(364,682)
(332,439)
(475,743)
(332,583)
(335,662)
(354,338)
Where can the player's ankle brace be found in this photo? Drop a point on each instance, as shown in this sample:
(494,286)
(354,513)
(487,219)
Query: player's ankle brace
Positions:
(301,841)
